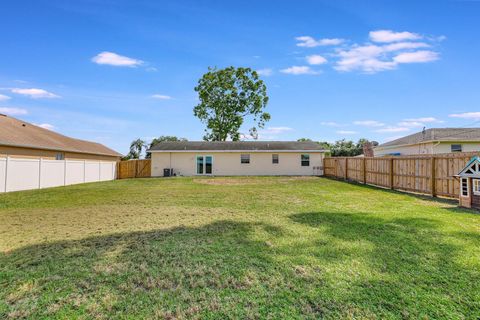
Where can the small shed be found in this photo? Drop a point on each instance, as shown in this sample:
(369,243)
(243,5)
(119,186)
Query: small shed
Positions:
(470,184)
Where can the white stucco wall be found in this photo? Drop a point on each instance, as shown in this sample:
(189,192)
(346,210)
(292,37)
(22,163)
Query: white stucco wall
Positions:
(426,148)
(228,163)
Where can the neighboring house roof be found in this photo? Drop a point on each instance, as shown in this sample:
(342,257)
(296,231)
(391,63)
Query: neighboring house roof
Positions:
(435,135)
(18,133)
(253,146)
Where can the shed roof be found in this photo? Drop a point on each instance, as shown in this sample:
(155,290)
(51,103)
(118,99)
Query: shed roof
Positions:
(18,133)
(437,134)
(236,146)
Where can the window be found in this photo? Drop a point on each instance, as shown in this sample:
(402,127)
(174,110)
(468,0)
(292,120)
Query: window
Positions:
(476,186)
(244,158)
(456,148)
(204,164)
(305,160)
(208,165)
(199,164)
(465,187)
(275,158)
(59,156)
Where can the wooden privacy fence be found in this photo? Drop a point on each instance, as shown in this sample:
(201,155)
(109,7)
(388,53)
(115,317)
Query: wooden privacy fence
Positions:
(432,175)
(134,169)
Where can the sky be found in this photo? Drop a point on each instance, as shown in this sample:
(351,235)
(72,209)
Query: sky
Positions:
(113,71)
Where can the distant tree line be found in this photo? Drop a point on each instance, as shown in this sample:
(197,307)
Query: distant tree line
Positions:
(344,148)
(138,146)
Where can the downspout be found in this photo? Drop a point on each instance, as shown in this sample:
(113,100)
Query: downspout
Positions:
(435,145)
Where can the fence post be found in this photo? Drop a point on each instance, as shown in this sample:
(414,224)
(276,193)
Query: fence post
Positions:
(6,173)
(346,169)
(391,173)
(40,173)
(432,176)
(136,168)
(364,170)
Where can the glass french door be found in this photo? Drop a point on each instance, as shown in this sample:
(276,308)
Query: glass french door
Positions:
(204,164)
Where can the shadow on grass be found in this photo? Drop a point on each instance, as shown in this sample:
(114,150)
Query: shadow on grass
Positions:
(408,262)
(358,266)
(420,196)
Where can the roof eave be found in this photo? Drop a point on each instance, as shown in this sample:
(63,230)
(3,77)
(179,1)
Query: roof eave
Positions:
(58,149)
(224,151)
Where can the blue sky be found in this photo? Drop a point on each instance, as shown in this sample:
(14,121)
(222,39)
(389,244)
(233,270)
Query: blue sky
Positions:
(112,71)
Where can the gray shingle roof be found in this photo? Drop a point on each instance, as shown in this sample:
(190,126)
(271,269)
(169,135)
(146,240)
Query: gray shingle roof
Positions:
(236,146)
(437,134)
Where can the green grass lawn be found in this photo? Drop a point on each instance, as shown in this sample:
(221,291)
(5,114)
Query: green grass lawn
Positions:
(221,248)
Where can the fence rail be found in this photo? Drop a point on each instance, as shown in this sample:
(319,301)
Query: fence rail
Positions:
(432,175)
(134,169)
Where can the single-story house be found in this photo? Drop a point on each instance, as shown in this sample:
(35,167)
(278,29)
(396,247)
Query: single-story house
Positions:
(24,140)
(432,141)
(237,158)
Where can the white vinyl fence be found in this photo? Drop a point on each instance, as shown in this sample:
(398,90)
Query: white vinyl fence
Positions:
(24,174)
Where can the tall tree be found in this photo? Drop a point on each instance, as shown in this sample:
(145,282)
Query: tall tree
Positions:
(161,139)
(347,148)
(136,148)
(227,97)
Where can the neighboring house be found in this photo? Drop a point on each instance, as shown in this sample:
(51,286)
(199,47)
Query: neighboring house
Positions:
(33,158)
(432,141)
(237,158)
(24,140)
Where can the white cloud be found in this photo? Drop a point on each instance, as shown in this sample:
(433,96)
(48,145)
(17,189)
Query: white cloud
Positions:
(416,57)
(391,36)
(265,72)
(368,123)
(310,42)
(34,93)
(269,133)
(466,115)
(316,59)
(299,70)
(346,132)
(373,58)
(161,97)
(4,97)
(424,119)
(113,59)
(275,130)
(418,122)
(45,126)
(365,58)
(330,124)
(411,124)
(392,129)
(13,111)
(404,45)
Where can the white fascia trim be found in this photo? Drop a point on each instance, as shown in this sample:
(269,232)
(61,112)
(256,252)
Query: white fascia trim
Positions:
(239,151)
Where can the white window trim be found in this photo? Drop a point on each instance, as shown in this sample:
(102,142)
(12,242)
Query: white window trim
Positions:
(301,160)
(204,165)
(456,144)
(278,158)
(476,182)
(468,188)
(249,158)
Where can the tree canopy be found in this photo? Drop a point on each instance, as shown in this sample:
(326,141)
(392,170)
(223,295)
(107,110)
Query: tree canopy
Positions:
(344,148)
(161,139)
(227,98)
